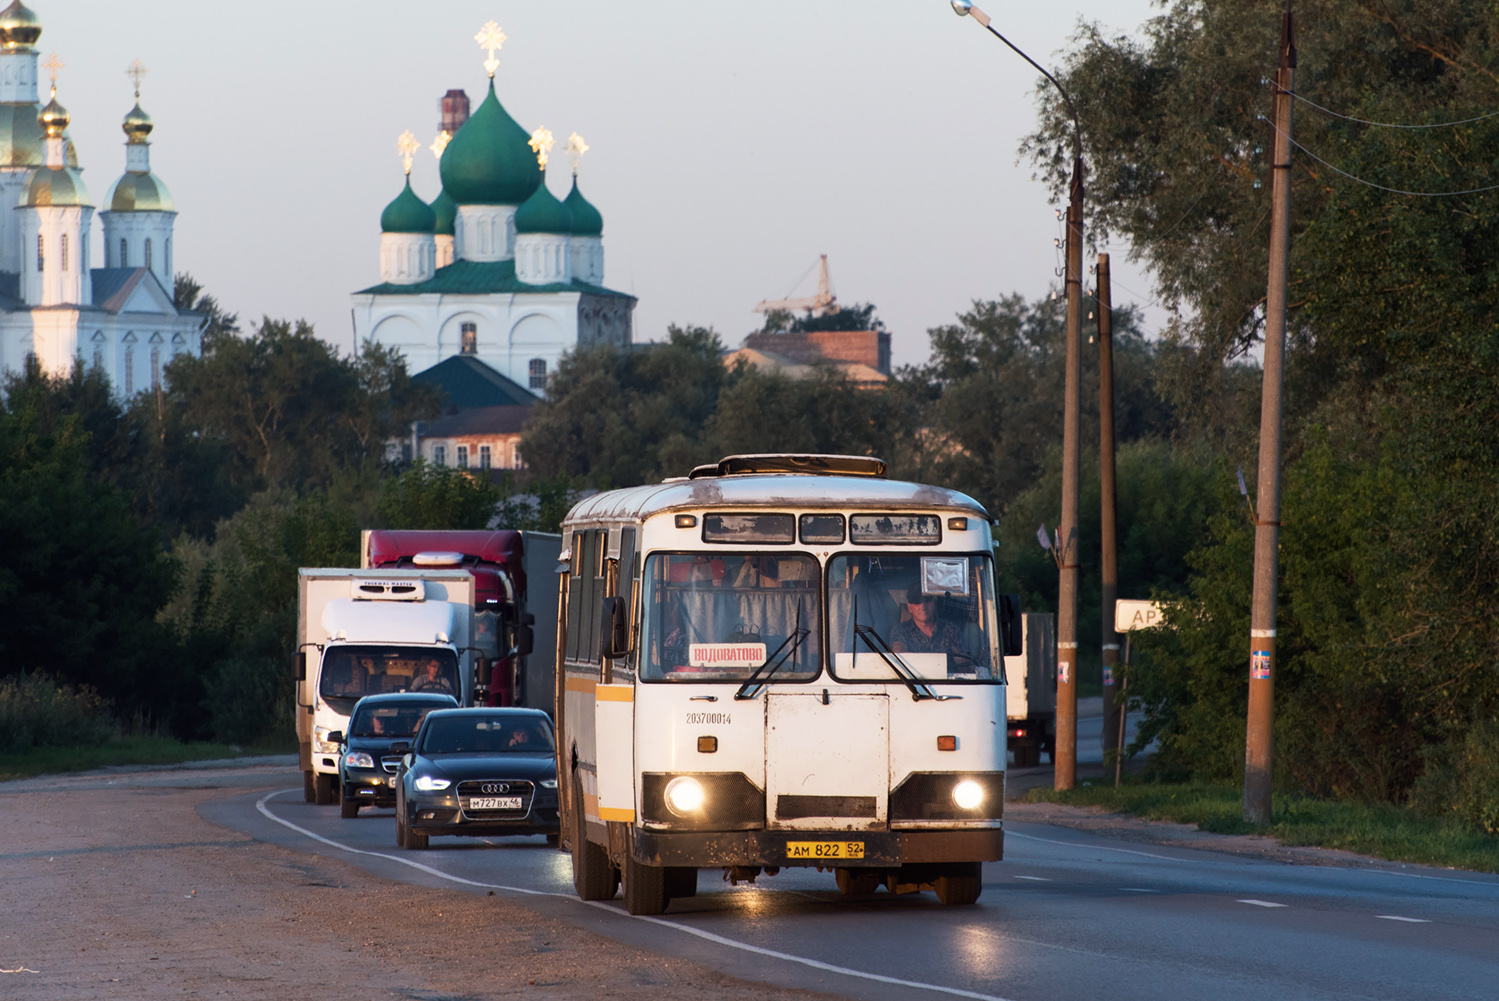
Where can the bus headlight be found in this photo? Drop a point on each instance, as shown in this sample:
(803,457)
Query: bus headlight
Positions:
(684,795)
(968,795)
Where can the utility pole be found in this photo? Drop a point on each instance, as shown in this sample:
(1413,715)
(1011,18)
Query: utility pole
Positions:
(1064,751)
(1258,742)
(1064,756)
(1108,497)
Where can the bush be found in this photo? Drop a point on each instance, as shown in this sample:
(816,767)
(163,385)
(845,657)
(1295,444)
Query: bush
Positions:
(1462,779)
(38,711)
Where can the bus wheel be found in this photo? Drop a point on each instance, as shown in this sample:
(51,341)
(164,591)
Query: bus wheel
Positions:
(645,887)
(856,882)
(961,884)
(322,789)
(593,877)
(309,790)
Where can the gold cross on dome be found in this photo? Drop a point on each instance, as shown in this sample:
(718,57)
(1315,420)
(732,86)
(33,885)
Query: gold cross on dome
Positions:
(136,71)
(441,143)
(541,142)
(53,64)
(491,38)
(406,145)
(576,147)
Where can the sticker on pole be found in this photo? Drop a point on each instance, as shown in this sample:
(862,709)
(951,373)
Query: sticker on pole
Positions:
(1259,665)
(1064,671)
(1108,676)
(725,654)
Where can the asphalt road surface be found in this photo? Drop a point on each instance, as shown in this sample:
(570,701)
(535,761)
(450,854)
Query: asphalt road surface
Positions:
(1068,914)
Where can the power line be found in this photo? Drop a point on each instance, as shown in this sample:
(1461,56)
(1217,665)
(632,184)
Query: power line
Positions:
(1390,125)
(1381,187)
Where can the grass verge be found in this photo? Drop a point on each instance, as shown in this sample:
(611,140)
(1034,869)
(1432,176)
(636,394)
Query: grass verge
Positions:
(1386,832)
(135,750)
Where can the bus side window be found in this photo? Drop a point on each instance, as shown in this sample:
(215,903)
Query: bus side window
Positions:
(588,599)
(575,597)
(626,587)
(598,586)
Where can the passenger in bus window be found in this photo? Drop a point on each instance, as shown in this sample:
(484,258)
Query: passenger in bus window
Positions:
(925,632)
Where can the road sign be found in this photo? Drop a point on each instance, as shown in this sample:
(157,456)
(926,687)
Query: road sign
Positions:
(1131,615)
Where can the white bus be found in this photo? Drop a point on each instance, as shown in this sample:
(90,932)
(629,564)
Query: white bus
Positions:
(781,660)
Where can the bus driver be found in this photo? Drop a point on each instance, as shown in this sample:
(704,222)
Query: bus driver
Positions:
(924,632)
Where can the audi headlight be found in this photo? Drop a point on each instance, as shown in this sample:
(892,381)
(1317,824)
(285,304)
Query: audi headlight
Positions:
(426,783)
(324,746)
(358,759)
(549,783)
(684,795)
(968,795)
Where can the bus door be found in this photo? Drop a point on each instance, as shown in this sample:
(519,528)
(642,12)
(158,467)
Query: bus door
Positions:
(826,760)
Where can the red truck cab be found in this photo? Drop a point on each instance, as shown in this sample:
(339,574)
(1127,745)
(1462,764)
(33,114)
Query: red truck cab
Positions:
(501,630)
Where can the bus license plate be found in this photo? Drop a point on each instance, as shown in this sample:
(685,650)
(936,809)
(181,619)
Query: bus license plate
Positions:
(825,849)
(494,803)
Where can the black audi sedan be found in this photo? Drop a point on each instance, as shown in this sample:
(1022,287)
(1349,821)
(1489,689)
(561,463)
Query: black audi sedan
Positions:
(366,766)
(480,772)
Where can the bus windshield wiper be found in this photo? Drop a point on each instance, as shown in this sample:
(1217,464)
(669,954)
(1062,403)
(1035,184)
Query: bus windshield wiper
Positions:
(771,664)
(919,689)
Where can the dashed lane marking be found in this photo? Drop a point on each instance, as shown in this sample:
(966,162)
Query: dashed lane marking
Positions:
(1263,903)
(1038,879)
(1398,917)
(815,964)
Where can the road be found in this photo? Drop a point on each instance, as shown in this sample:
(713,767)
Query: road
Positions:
(1068,914)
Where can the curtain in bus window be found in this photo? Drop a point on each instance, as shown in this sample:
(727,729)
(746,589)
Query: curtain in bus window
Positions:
(724,617)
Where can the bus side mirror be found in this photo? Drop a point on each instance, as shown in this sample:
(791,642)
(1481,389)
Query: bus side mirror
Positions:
(614,636)
(1009,625)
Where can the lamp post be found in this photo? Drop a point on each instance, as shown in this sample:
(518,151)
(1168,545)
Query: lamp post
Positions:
(1064,753)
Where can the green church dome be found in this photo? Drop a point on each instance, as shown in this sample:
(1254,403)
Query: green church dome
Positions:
(407,214)
(489,161)
(542,212)
(139,192)
(446,211)
(586,218)
(54,186)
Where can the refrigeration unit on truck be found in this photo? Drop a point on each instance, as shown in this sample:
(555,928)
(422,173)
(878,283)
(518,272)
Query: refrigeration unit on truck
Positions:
(515,601)
(363,632)
(1031,695)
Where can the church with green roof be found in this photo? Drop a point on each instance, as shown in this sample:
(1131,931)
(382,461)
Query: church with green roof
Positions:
(496,266)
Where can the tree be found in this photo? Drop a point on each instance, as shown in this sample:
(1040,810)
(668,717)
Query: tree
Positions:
(429,497)
(621,417)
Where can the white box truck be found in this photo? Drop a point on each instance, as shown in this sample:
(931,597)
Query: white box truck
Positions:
(1031,695)
(363,632)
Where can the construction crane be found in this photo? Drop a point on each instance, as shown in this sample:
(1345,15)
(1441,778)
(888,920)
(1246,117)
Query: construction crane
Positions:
(821,304)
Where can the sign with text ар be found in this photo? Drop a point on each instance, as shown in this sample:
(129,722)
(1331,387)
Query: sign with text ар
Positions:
(1131,615)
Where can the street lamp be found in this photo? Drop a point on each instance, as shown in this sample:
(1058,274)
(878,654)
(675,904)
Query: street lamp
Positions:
(1064,755)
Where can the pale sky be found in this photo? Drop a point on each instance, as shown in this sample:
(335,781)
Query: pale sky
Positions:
(731,144)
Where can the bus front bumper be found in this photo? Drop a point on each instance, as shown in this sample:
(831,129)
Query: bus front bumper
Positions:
(824,849)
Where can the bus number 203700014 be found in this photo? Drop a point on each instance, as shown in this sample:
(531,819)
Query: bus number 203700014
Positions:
(825,849)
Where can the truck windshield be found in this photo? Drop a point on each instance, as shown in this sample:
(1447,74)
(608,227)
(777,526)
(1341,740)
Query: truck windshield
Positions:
(721,616)
(352,672)
(927,617)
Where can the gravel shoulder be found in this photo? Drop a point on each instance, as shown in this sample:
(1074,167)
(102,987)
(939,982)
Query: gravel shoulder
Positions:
(115,888)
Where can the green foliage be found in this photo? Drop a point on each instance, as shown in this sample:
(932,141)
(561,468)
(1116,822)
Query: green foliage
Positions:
(1461,780)
(36,710)
(1384,831)
(824,413)
(848,318)
(436,497)
(990,399)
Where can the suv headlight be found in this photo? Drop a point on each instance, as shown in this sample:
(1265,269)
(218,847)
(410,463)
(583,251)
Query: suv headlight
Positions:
(358,759)
(426,783)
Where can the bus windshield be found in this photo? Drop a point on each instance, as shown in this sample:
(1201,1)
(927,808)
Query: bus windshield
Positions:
(725,616)
(927,617)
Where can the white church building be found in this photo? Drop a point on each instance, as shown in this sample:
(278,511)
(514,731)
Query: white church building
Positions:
(55,305)
(496,266)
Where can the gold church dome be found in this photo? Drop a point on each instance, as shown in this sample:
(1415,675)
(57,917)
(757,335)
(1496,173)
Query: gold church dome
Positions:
(19,27)
(137,124)
(53,118)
